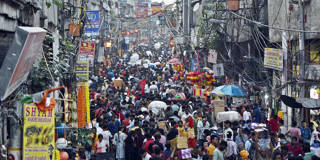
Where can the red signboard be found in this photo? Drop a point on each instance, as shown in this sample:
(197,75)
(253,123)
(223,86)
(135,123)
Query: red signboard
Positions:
(87,48)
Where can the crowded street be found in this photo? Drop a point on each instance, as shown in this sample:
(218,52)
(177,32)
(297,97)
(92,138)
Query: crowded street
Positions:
(159,80)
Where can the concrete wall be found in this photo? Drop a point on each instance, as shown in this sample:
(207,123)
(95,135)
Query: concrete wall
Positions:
(284,17)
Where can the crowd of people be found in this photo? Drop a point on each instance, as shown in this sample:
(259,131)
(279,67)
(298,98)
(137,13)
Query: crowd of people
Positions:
(185,129)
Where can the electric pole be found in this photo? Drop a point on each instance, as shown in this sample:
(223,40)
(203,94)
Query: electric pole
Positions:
(302,53)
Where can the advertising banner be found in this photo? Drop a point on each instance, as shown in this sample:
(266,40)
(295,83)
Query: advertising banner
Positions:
(82,72)
(87,48)
(273,58)
(142,10)
(25,48)
(92,25)
(156,9)
(38,133)
(87,102)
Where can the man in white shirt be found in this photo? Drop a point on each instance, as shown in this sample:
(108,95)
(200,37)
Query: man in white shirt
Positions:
(227,129)
(107,136)
(101,146)
(246,115)
(232,149)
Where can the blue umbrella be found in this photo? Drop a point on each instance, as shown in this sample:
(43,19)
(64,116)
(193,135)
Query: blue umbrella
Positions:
(111,74)
(229,90)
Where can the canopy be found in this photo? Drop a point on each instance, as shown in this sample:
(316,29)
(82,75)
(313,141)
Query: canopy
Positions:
(300,102)
(229,90)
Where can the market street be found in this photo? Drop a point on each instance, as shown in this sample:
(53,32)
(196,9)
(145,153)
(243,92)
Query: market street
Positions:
(159,80)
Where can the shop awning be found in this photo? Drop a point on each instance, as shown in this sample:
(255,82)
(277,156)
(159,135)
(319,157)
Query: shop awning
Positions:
(307,103)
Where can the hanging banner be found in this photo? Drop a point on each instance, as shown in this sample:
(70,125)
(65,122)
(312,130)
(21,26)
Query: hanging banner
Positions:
(87,48)
(38,133)
(81,110)
(273,58)
(87,102)
(82,72)
(92,25)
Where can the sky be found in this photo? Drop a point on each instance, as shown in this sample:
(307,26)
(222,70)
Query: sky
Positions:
(165,1)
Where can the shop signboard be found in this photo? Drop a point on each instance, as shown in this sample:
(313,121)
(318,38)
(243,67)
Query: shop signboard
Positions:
(38,133)
(25,48)
(142,10)
(212,57)
(312,72)
(156,10)
(218,70)
(273,58)
(92,25)
(82,72)
(314,57)
(87,48)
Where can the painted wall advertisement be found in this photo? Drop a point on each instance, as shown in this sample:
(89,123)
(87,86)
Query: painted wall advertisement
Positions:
(38,133)
(273,58)
(92,25)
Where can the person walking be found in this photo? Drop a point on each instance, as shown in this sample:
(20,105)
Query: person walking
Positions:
(218,152)
(118,142)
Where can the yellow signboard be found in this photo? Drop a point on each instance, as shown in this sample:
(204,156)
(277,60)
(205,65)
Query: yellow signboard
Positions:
(314,57)
(38,134)
(273,58)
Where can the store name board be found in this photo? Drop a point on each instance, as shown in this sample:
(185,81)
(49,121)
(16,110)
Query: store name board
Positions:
(273,58)
(92,25)
(38,133)
(87,48)
(82,71)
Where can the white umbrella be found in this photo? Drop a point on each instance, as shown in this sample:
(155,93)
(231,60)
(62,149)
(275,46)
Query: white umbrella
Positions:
(157,106)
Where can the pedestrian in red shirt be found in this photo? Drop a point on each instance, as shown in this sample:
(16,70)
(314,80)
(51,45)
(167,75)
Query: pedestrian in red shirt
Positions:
(274,124)
(148,142)
(295,148)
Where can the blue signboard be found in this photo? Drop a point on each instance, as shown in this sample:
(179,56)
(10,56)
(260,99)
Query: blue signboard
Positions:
(92,25)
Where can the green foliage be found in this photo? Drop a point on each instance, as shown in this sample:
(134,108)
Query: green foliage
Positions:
(40,76)
(80,136)
(208,31)
(57,2)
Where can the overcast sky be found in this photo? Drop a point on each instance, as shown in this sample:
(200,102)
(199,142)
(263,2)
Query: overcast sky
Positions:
(165,1)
